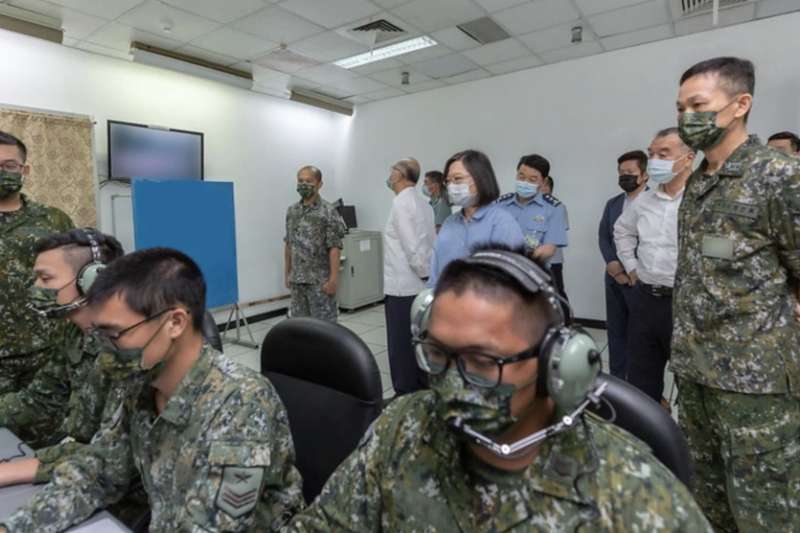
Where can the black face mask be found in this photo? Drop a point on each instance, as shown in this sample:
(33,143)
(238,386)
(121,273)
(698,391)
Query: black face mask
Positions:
(628,182)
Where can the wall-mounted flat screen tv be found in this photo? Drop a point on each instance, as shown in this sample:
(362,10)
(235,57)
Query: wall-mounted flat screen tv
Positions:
(140,151)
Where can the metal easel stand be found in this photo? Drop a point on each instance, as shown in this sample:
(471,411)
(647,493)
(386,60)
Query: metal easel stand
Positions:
(236,312)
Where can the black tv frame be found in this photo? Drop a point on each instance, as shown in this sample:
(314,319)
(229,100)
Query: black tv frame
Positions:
(108,143)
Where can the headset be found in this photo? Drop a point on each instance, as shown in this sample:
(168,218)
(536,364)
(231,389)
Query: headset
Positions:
(89,272)
(569,361)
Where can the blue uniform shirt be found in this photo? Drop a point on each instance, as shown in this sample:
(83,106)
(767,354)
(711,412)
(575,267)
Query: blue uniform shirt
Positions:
(541,219)
(558,257)
(457,237)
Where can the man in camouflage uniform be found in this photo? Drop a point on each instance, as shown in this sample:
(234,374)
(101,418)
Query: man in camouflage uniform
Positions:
(416,471)
(209,437)
(735,346)
(313,245)
(24,336)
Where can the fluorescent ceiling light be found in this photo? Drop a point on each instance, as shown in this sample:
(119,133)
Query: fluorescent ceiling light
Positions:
(397,49)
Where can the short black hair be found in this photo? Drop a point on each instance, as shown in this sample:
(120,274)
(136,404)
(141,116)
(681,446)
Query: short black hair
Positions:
(435,176)
(480,168)
(7,139)
(550,183)
(461,275)
(317,173)
(786,136)
(634,155)
(153,280)
(736,75)
(76,245)
(535,161)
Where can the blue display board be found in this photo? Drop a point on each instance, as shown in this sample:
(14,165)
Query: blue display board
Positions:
(196,218)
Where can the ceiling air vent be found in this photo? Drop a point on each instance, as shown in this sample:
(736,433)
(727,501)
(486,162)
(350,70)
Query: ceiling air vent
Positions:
(687,8)
(375,32)
(484,30)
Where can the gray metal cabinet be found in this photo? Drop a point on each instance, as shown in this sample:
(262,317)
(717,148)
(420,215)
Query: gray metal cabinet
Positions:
(361,271)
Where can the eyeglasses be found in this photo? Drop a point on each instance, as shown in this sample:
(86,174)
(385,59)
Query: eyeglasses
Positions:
(479,369)
(11,166)
(109,339)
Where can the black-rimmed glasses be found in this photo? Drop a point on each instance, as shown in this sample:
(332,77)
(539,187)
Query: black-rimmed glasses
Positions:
(109,339)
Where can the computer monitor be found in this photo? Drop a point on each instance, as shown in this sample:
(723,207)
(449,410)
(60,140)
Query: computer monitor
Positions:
(348,214)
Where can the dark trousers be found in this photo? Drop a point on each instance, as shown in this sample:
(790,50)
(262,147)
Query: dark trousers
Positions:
(617,309)
(649,337)
(406,375)
(557,271)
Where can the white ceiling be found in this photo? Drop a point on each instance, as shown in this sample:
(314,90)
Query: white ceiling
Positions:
(240,33)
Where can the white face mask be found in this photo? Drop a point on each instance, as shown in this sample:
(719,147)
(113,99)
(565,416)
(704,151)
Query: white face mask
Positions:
(459,194)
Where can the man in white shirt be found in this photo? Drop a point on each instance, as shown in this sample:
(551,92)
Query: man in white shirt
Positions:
(407,248)
(646,236)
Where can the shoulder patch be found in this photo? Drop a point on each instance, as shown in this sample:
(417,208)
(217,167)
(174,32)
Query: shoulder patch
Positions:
(506,196)
(552,200)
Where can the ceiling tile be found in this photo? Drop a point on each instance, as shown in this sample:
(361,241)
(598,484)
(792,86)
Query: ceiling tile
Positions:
(592,7)
(573,52)
(385,93)
(455,39)
(378,66)
(224,12)
(154,16)
(728,16)
(103,50)
(360,99)
(514,65)
(393,77)
(645,15)
(446,66)
(328,46)
(472,75)
(119,36)
(278,25)
(357,86)
(285,60)
(425,54)
(331,14)
(536,16)
(107,9)
(496,52)
(498,5)
(75,24)
(432,15)
(389,4)
(234,43)
(769,8)
(553,38)
(424,86)
(202,53)
(633,38)
(327,74)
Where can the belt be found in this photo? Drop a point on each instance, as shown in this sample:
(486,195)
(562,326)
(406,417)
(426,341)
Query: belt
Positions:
(659,291)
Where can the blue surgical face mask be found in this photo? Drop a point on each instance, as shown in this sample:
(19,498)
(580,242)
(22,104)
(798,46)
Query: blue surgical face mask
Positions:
(660,170)
(526,189)
(426,191)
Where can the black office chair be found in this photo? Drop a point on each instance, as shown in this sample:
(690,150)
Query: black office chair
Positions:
(211,332)
(331,386)
(638,414)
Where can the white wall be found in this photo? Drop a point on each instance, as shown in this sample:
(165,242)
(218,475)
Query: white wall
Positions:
(256,141)
(580,114)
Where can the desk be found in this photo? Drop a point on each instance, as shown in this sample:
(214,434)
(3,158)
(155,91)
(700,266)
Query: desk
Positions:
(15,496)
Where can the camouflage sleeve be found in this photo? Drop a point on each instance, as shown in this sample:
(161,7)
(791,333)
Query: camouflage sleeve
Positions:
(250,454)
(35,413)
(61,221)
(52,456)
(334,230)
(94,477)
(351,498)
(784,212)
(288,225)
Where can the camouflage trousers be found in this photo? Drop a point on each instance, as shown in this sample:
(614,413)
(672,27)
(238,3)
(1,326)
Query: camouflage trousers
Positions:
(17,371)
(308,299)
(746,452)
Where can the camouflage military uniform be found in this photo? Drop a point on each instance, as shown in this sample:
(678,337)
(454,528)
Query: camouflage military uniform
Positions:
(219,455)
(311,231)
(65,398)
(409,474)
(23,334)
(735,346)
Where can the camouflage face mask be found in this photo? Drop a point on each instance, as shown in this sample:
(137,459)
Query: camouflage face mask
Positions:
(44,302)
(699,130)
(305,190)
(10,183)
(125,363)
(486,411)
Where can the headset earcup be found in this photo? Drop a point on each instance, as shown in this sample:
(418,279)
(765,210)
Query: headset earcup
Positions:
(572,367)
(87,275)
(420,312)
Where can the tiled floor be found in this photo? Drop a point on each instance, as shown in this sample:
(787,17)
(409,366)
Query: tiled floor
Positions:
(369,323)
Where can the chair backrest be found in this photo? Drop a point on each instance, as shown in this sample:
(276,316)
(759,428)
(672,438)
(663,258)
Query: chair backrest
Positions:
(211,332)
(330,385)
(639,415)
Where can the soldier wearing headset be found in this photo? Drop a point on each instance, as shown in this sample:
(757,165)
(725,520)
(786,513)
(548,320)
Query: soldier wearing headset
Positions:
(501,441)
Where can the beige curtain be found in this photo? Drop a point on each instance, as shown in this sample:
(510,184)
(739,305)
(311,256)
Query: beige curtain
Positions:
(61,160)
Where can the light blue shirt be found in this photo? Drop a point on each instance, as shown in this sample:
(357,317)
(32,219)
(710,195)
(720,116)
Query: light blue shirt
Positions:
(542,220)
(558,257)
(458,236)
